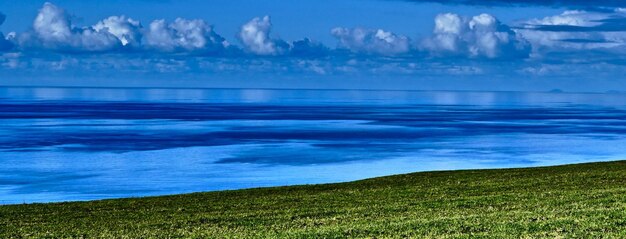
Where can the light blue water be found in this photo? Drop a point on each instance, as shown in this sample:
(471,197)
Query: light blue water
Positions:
(79,144)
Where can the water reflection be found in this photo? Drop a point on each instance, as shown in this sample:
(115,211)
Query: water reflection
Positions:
(78,144)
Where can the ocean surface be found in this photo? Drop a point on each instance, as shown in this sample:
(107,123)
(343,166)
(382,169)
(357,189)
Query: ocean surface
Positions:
(67,144)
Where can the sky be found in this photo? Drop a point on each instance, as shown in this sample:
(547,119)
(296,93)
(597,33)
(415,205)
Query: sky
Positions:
(520,45)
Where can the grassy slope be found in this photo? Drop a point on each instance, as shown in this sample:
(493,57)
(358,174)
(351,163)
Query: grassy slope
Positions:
(577,201)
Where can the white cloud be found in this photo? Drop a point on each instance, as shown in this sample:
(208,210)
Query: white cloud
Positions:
(479,36)
(448,28)
(255,36)
(371,41)
(53,29)
(576,30)
(182,34)
(125,29)
(571,18)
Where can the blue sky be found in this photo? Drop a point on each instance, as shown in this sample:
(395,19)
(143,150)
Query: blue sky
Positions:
(522,45)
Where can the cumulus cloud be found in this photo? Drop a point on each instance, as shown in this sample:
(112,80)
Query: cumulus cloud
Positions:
(5,44)
(370,41)
(479,36)
(256,39)
(127,30)
(53,29)
(183,35)
(255,36)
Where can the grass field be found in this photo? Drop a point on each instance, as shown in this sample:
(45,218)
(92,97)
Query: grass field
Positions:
(572,201)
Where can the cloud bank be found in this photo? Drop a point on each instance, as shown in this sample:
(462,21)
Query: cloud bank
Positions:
(53,30)
(476,37)
(564,45)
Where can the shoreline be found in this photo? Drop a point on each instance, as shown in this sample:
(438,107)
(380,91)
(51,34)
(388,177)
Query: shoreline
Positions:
(301,185)
(575,201)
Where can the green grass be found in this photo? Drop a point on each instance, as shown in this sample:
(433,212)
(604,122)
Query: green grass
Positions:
(572,201)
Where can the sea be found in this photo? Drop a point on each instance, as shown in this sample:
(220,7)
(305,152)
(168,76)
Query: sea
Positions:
(75,144)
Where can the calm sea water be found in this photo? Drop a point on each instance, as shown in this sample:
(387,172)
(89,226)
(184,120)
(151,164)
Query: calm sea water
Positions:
(79,144)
